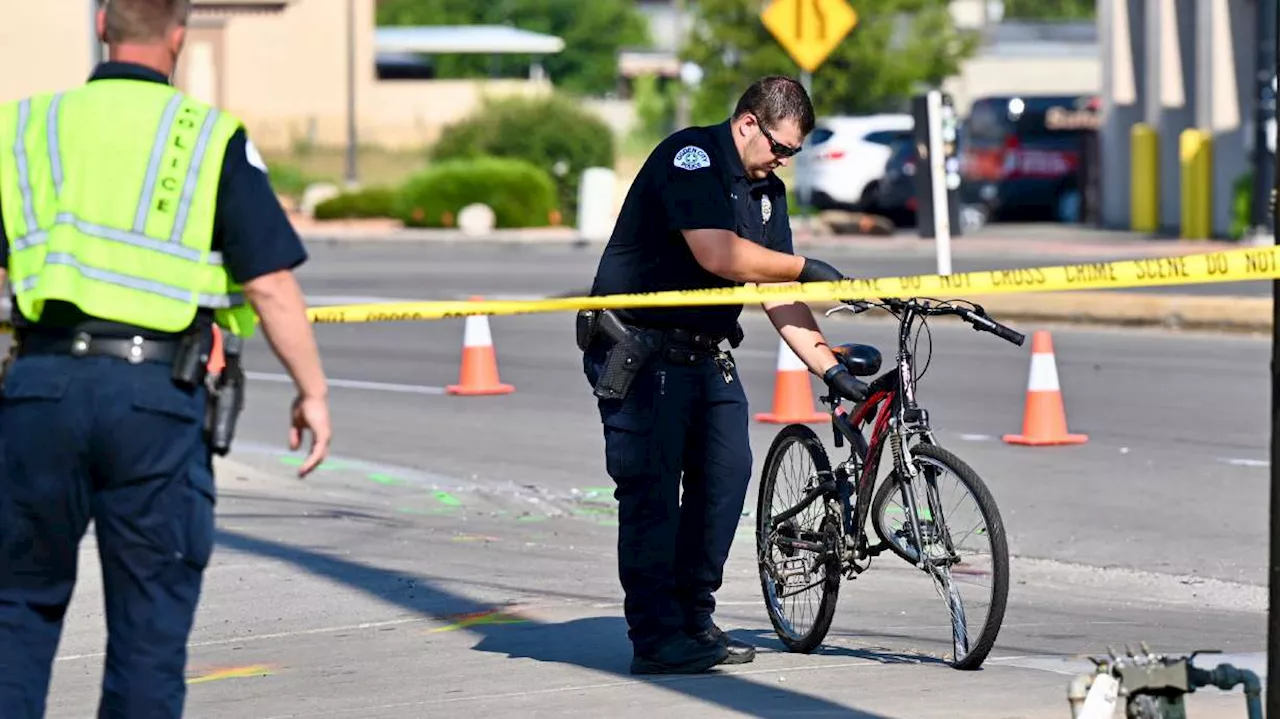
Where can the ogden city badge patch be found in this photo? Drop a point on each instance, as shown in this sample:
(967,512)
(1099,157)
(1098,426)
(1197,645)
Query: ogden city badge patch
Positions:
(692,158)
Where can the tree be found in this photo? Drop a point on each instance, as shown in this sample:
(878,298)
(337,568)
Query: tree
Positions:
(593,32)
(1050,9)
(897,46)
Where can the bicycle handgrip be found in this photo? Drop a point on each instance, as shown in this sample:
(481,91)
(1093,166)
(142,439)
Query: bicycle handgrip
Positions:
(1008,334)
(982,322)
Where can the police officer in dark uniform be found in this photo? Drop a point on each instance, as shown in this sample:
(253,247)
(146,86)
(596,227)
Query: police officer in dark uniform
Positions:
(705,211)
(105,419)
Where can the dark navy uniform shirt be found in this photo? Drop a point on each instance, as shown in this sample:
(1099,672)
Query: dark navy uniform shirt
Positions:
(250,227)
(693,180)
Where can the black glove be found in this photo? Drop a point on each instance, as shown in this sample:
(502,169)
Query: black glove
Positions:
(844,384)
(818,271)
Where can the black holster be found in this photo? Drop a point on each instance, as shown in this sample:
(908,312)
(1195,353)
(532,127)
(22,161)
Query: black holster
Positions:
(226,398)
(630,350)
(191,362)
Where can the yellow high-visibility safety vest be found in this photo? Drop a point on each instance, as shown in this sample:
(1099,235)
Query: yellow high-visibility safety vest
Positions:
(108,193)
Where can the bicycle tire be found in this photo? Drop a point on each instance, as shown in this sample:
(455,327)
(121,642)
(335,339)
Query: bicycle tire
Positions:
(830,587)
(999,546)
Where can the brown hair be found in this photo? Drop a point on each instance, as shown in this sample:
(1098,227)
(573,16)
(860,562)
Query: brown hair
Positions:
(776,98)
(143,21)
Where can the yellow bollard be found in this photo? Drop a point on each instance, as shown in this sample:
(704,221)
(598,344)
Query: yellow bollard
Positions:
(1195,151)
(1144,178)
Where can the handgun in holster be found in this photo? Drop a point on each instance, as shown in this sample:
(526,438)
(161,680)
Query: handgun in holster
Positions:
(630,351)
(226,397)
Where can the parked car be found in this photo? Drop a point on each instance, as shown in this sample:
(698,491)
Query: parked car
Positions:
(1023,155)
(847,155)
(896,191)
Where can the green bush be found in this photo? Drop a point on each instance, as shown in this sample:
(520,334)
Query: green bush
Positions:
(288,180)
(520,194)
(553,133)
(369,202)
(1241,205)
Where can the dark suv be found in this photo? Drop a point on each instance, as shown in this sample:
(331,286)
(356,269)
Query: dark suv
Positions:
(1023,156)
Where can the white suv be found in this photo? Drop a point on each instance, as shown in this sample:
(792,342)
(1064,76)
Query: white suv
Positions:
(846,157)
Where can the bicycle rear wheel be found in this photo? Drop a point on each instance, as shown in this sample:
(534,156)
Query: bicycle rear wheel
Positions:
(958,551)
(796,463)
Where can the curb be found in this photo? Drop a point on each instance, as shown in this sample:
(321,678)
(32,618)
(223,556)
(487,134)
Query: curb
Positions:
(1123,309)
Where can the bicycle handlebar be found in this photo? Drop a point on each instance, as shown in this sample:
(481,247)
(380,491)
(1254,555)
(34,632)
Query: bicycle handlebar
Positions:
(977,317)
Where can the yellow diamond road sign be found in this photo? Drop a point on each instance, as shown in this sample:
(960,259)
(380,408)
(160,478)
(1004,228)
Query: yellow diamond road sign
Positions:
(809,29)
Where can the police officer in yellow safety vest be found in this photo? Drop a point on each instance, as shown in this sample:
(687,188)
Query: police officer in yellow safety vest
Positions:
(132,219)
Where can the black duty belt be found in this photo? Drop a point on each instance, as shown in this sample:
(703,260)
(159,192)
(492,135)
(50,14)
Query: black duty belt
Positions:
(680,338)
(133,349)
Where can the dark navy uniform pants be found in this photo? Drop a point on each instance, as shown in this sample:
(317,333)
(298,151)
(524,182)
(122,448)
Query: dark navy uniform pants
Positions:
(97,438)
(682,427)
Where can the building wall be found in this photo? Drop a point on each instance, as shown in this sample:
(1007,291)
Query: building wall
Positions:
(284,73)
(1023,75)
(45,45)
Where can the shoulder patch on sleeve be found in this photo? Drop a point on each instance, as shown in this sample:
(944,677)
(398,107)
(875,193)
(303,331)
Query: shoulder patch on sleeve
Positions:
(692,157)
(253,156)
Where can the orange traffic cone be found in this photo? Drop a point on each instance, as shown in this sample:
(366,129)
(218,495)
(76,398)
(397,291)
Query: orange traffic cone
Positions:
(792,393)
(1045,419)
(479,374)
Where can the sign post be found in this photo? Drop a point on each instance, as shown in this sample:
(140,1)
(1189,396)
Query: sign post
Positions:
(809,30)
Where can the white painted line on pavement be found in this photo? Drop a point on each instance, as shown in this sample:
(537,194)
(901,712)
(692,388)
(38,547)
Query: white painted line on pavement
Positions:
(278,635)
(652,680)
(1241,462)
(975,437)
(352,384)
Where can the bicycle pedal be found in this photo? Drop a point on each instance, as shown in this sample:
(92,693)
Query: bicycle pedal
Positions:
(876,549)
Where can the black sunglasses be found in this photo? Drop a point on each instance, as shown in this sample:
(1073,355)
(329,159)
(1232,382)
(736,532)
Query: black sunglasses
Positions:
(776,147)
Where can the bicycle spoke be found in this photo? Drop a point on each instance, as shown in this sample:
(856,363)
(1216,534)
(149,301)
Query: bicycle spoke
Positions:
(796,571)
(963,573)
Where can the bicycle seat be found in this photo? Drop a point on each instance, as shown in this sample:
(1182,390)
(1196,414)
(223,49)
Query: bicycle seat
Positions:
(860,360)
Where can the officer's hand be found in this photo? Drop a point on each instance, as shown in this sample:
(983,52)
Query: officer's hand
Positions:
(816,270)
(311,413)
(844,384)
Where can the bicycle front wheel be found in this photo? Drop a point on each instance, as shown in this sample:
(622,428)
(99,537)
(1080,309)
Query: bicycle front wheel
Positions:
(798,558)
(963,540)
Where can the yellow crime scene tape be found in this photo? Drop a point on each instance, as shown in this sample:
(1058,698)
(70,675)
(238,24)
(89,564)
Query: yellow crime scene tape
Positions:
(1229,266)
(1241,265)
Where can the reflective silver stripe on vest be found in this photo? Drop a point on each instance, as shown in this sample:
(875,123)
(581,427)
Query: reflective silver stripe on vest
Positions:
(55,153)
(193,173)
(122,236)
(153,168)
(24,171)
(135,283)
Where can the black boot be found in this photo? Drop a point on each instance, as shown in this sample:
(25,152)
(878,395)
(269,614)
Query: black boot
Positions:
(739,652)
(679,655)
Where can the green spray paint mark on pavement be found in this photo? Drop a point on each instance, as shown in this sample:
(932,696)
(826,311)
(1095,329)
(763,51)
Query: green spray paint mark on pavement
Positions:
(531,518)
(327,466)
(447,499)
(385,479)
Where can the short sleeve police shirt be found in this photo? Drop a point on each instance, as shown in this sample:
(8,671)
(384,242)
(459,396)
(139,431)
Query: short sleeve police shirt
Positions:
(250,227)
(693,180)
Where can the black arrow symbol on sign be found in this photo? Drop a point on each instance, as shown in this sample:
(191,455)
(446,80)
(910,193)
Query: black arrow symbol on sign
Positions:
(817,11)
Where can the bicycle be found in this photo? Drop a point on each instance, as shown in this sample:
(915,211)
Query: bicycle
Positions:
(838,544)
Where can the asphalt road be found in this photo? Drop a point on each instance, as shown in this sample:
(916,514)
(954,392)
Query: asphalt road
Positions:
(421,270)
(456,556)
